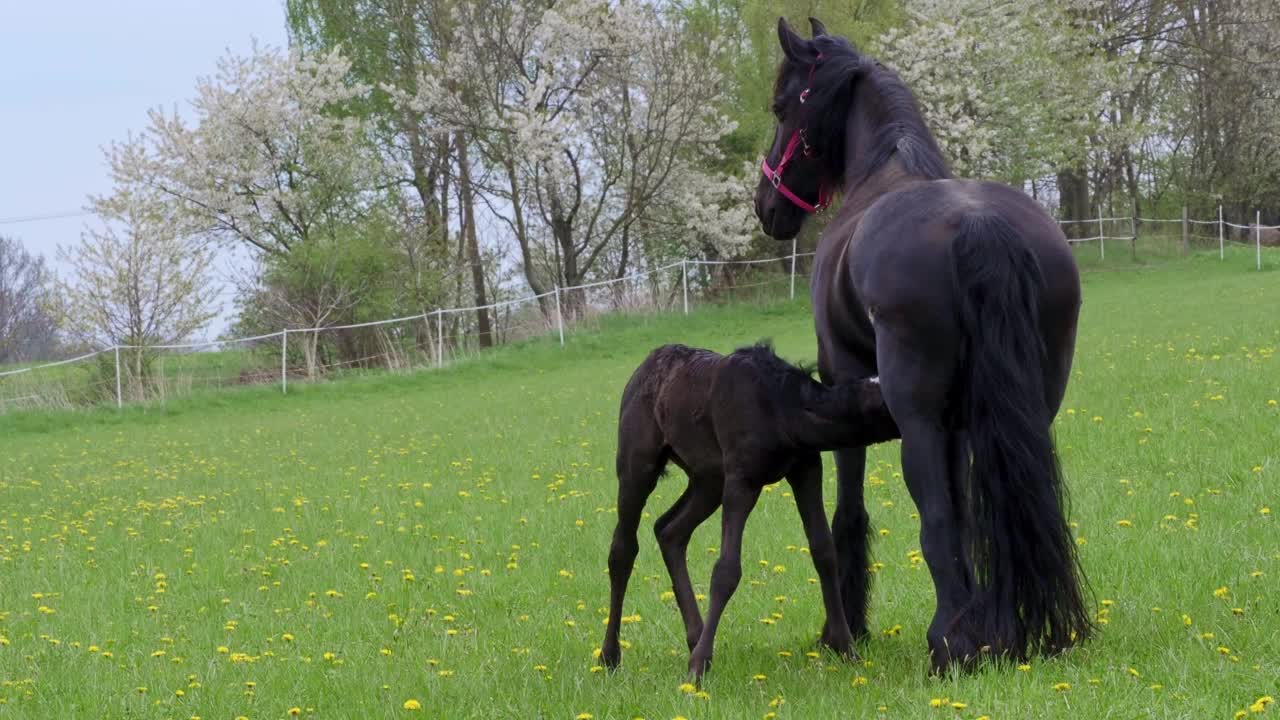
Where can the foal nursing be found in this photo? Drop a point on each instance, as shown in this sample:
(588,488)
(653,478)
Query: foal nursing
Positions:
(734,423)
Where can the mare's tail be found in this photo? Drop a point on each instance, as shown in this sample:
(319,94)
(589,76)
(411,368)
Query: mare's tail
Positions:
(1029,585)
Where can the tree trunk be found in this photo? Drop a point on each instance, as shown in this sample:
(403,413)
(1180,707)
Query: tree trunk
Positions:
(1073,190)
(522,236)
(465,190)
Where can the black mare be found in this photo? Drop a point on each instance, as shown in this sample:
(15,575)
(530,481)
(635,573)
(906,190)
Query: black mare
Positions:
(963,297)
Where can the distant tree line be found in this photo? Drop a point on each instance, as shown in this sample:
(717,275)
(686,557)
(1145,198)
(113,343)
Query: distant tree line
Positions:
(404,155)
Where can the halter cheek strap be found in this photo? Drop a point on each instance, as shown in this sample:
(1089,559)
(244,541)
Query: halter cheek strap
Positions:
(797,139)
(775,175)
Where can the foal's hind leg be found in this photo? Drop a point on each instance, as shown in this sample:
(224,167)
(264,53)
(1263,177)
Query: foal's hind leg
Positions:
(740,495)
(640,463)
(673,530)
(806,484)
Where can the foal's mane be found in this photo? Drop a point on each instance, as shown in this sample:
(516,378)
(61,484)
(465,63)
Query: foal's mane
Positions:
(898,125)
(791,385)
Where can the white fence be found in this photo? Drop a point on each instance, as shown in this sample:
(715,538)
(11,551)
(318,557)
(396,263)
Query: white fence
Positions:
(1106,230)
(125,374)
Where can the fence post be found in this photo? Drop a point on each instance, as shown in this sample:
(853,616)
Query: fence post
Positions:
(1257,234)
(684,283)
(1186,234)
(1133,236)
(439,338)
(1222,246)
(793,268)
(119,394)
(284,362)
(1102,237)
(559,316)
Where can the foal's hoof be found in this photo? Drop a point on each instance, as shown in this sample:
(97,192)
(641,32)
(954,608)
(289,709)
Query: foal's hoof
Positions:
(698,666)
(610,658)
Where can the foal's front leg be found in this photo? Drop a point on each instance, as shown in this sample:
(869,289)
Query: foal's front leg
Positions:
(806,485)
(740,496)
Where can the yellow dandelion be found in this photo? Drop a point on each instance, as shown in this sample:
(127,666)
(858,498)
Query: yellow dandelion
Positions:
(412,705)
(1062,687)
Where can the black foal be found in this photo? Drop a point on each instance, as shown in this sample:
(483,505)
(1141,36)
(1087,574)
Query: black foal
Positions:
(734,423)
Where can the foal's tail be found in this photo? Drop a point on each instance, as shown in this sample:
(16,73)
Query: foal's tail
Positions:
(1028,579)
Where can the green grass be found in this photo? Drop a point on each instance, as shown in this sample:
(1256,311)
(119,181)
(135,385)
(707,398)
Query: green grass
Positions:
(284,528)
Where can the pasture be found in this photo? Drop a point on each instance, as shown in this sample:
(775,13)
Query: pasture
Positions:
(435,544)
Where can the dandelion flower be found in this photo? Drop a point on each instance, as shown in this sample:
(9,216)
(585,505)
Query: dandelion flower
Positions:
(412,705)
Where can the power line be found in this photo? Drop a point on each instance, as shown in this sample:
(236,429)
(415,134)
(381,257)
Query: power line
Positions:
(46,216)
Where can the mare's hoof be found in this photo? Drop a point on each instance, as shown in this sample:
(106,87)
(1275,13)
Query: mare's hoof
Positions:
(841,644)
(957,650)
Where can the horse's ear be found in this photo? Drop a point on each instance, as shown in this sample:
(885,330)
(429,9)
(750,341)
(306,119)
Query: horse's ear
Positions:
(793,46)
(818,28)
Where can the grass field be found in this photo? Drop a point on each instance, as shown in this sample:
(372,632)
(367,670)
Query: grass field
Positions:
(438,540)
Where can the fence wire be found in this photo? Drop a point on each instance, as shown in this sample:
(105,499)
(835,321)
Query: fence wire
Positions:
(437,338)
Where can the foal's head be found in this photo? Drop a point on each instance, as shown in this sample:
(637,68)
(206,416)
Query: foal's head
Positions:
(811,98)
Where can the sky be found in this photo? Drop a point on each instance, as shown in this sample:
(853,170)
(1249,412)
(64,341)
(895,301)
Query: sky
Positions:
(78,74)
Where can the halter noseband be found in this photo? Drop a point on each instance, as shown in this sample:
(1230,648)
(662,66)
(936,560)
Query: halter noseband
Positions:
(798,139)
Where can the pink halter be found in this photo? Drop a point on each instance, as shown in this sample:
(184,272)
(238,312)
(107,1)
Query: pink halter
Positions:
(797,139)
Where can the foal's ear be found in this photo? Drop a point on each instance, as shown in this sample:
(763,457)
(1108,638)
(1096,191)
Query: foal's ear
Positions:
(818,28)
(793,46)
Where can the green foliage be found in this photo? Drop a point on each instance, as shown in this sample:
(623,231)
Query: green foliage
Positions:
(749,52)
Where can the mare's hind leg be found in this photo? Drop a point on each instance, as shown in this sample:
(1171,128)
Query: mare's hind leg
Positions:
(673,531)
(740,495)
(640,463)
(805,478)
(928,464)
(916,387)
